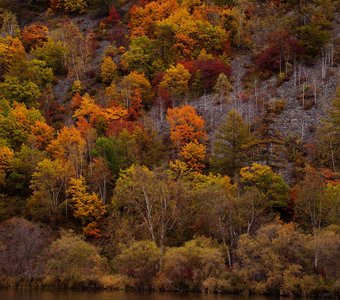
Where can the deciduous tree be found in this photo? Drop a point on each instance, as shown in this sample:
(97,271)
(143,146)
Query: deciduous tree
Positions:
(9,24)
(22,167)
(194,155)
(270,184)
(25,91)
(175,81)
(16,122)
(34,35)
(108,69)
(22,247)
(329,136)
(152,198)
(86,207)
(69,146)
(41,135)
(48,186)
(55,54)
(185,126)
(315,206)
(135,81)
(6,156)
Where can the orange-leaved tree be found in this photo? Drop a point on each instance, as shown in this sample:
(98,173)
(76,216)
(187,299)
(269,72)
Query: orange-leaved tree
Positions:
(136,107)
(94,114)
(185,126)
(41,135)
(144,18)
(34,35)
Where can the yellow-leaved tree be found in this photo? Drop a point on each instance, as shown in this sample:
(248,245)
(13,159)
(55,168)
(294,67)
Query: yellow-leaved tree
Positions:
(70,146)
(108,70)
(194,155)
(87,207)
(48,185)
(6,156)
(176,83)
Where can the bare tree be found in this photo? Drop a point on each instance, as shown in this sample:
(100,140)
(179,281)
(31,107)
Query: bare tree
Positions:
(21,244)
(315,207)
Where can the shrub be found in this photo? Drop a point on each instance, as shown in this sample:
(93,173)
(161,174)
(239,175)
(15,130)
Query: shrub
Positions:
(76,87)
(276,106)
(140,261)
(205,72)
(73,261)
(116,282)
(306,97)
(279,51)
(215,285)
(268,59)
(188,266)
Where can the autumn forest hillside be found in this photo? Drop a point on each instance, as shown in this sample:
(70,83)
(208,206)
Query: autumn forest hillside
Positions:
(172,145)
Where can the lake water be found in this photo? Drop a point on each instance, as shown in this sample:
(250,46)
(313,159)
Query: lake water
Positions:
(48,295)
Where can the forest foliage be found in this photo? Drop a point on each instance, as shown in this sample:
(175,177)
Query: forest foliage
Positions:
(111,177)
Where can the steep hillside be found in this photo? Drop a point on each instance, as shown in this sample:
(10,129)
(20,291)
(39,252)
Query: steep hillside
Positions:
(183,145)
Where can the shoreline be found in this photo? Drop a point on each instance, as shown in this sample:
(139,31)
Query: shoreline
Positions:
(97,288)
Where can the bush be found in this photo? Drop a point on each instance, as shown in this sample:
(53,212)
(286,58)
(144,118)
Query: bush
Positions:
(268,261)
(205,73)
(188,266)
(116,282)
(306,97)
(74,262)
(113,17)
(215,285)
(291,280)
(280,49)
(276,106)
(268,59)
(140,261)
